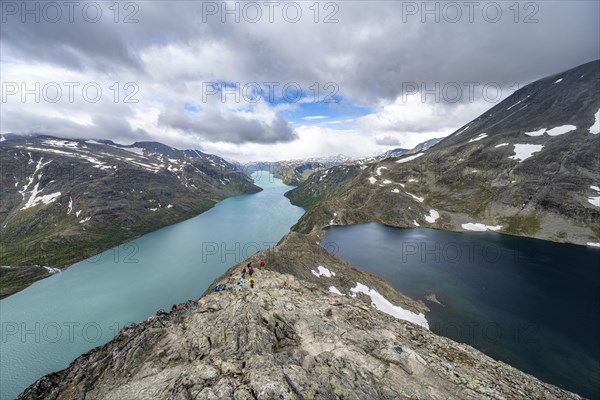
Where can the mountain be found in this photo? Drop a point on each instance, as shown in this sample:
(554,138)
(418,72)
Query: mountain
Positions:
(293,172)
(311,328)
(400,151)
(63,200)
(528,166)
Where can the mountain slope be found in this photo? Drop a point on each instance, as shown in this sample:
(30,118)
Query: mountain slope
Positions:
(65,200)
(289,337)
(529,166)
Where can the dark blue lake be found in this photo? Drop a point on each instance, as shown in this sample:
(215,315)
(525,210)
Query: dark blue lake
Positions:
(530,303)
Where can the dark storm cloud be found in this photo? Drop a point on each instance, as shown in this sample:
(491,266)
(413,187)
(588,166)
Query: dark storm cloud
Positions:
(373,55)
(372,52)
(388,141)
(103,127)
(217,126)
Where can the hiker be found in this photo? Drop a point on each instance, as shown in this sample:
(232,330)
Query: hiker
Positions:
(218,288)
(250,271)
(251,282)
(242,283)
(262,264)
(243,272)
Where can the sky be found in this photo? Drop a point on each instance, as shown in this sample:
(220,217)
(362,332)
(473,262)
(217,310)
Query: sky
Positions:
(275,80)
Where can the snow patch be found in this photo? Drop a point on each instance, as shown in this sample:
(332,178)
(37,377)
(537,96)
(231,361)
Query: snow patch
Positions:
(51,270)
(595,201)
(333,289)
(34,200)
(595,129)
(501,145)
(432,217)
(387,182)
(382,304)
(524,151)
(137,150)
(518,102)
(410,158)
(480,227)
(481,136)
(539,132)
(379,170)
(395,191)
(558,81)
(61,143)
(70,205)
(591,244)
(560,130)
(372,180)
(462,130)
(85,220)
(323,271)
(415,222)
(417,198)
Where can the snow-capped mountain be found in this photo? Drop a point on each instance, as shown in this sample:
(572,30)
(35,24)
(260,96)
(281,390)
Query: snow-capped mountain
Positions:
(79,197)
(528,166)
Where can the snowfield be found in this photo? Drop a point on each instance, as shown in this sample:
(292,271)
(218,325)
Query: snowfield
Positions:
(471,226)
(524,151)
(382,304)
(323,272)
(560,130)
(379,170)
(481,136)
(410,158)
(432,217)
(417,198)
(536,133)
(595,129)
(335,290)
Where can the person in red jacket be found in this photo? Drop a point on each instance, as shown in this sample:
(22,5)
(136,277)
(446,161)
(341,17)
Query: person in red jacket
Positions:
(262,264)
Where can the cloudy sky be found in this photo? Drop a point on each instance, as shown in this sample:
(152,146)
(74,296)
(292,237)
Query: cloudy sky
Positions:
(277,80)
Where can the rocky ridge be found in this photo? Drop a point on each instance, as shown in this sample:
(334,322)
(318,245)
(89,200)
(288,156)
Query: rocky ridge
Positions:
(288,338)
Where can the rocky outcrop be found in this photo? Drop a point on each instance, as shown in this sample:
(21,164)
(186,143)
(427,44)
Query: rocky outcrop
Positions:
(289,337)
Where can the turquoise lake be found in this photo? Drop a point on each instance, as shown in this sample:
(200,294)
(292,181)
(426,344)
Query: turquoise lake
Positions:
(52,322)
(530,303)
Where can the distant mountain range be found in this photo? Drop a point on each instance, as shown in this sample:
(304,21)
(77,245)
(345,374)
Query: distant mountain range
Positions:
(63,200)
(528,166)
(294,172)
